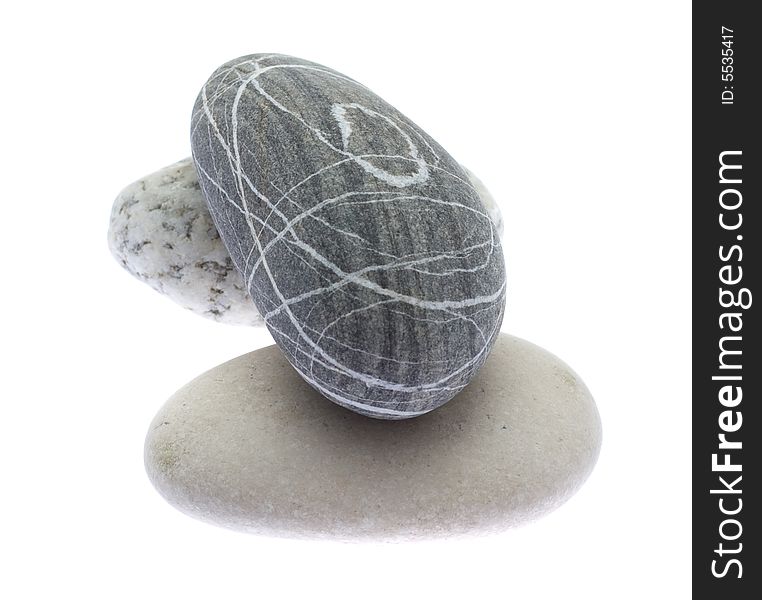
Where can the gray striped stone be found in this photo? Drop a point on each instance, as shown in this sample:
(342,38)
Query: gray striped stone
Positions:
(363,244)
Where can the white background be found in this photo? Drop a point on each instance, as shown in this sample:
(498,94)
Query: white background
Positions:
(575,114)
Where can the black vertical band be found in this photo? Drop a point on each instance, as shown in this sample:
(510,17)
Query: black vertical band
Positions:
(727,227)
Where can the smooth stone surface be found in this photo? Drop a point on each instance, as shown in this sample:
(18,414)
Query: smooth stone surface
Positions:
(363,244)
(161,232)
(250,446)
(488,200)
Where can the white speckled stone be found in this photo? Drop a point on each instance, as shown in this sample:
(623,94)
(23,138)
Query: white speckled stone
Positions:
(162,233)
(250,446)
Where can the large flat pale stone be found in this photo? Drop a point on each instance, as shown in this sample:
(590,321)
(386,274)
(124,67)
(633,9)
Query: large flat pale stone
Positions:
(250,446)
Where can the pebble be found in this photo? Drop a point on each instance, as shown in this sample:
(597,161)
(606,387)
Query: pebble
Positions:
(162,233)
(363,244)
(250,446)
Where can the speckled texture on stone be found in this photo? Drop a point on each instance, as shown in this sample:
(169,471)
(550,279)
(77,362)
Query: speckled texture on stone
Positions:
(250,446)
(162,233)
(140,218)
(362,242)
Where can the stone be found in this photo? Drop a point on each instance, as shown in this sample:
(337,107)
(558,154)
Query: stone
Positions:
(250,446)
(162,233)
(488,200)
(144,234)
(363,244)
